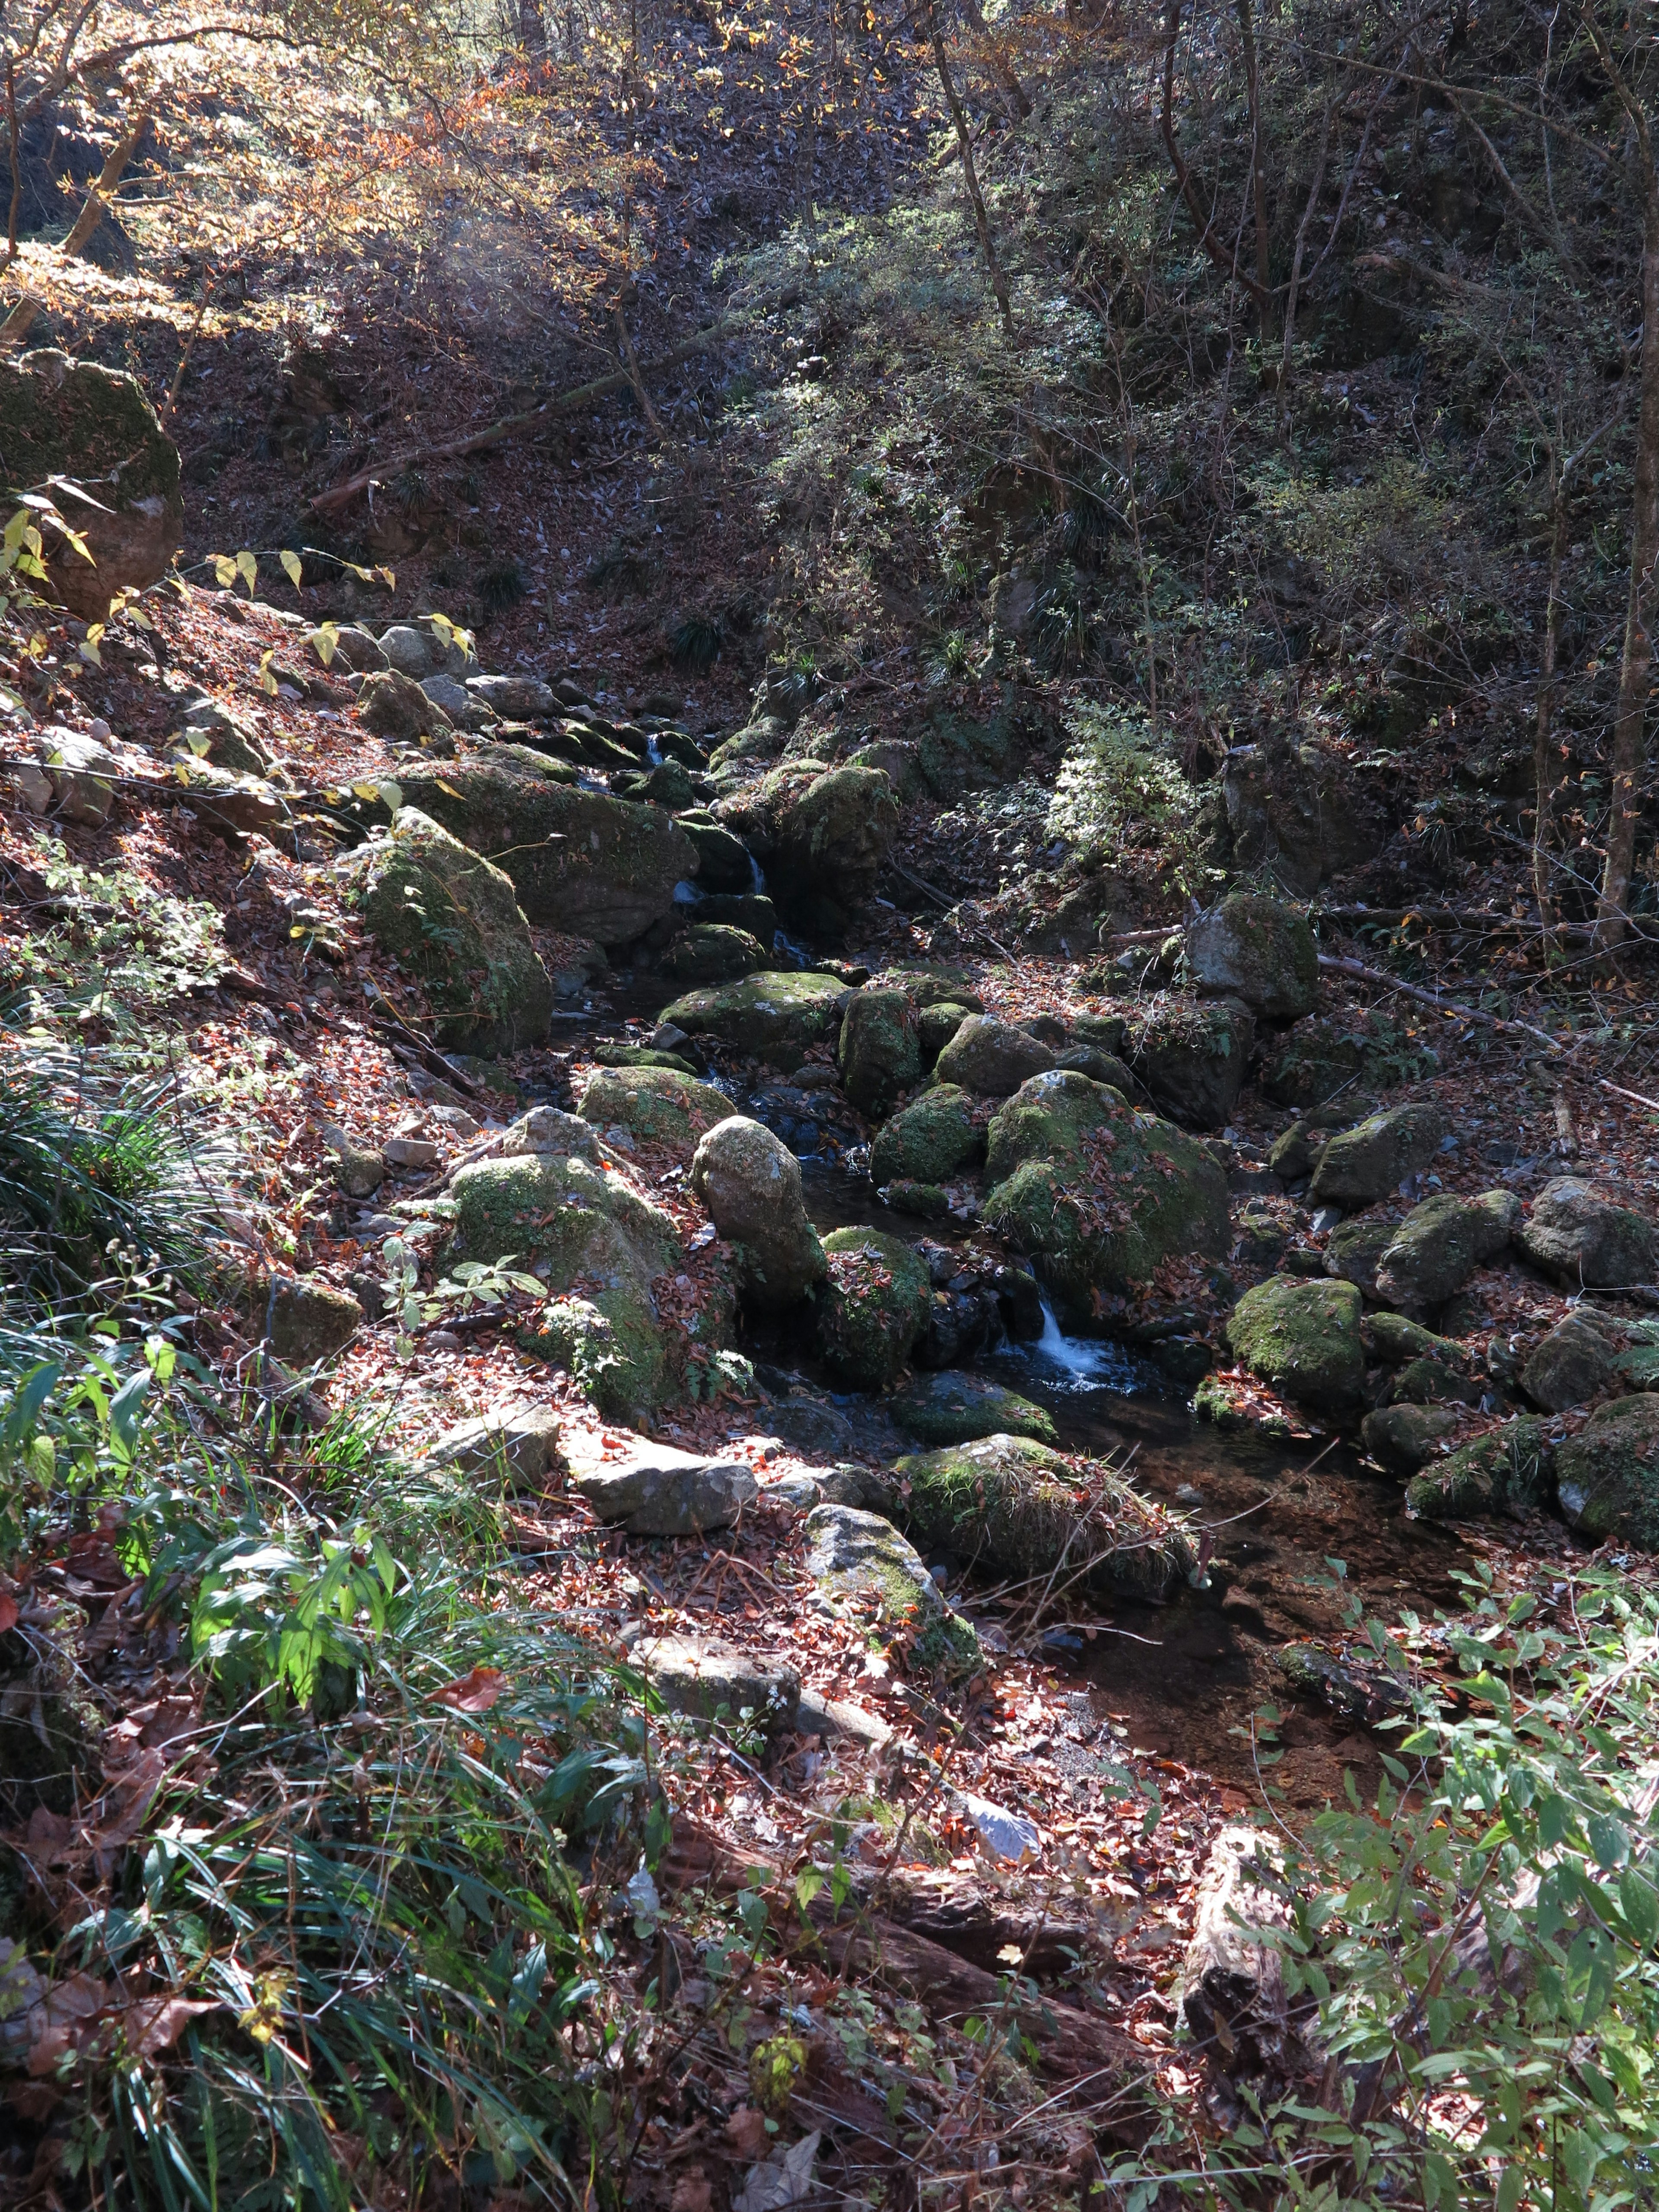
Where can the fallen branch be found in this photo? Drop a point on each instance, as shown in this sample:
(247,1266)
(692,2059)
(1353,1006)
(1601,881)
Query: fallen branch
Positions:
(16,327)
(509,426)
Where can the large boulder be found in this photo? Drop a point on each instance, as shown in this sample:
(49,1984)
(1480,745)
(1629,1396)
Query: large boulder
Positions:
(992,1058)
(580,862)
(1008,1503)
(1367,1162)
(115,474)
(1192,1054)
(929,1139)
(1354,1249)
(820,833)
(1096,1193)
(1506,1471)
(311,1320)
(1295,813)
(452,921)
(775,1016)
(1582,1237)
(656,1104)
(1304,1339)
(860,1562)
(710,953)
(513,698)
(750,1182)
(1567,1367)
(880,1049)
(1441,1242)
(872,1307)
(1607,1475)
(954,1408)
(1257,949)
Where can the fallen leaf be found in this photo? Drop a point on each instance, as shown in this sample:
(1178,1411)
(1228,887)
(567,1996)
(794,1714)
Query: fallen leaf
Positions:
(692,2192)
(747,2131)
(154,2024)
(475,1693)
(7,1611)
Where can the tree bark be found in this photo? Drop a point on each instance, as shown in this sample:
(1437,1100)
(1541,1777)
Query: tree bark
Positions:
(1224,259)
(970,175)
(1546,773)
(16,327)
(1636,664)
(1258,176)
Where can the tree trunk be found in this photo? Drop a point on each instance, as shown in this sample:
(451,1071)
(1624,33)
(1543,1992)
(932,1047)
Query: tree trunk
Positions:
(1545,772)
(970,175)
(1258,176)
(16,327)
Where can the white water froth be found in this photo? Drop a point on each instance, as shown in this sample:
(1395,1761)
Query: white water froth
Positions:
(1083,1362)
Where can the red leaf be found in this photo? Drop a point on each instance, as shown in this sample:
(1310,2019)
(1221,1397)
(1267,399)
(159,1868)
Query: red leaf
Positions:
(475,1693)
(7,1611)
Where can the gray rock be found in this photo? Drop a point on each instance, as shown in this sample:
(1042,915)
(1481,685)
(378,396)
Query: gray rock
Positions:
(659,1492)
(810,1429)
(750,1182)
(992,1058)
(521,1447)
(513,698)
(311,1320)
(1257,949)
(359,1170)
(880,1050)
(1441,1242)
(1354,1249)
(1367,1162)
(356,653)
(1582,1237)
(549,1129)
(860,1557)
(1403,1439)
(1568,1366)
(1607,1475)
(454,699)
(70,776)
(834,1716)
(393,705)
(410,651)
(706,1677)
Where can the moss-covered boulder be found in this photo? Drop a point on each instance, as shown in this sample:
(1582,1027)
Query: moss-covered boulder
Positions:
(750,1180)
(580,861)
(656,1104)
(992,1058)
(820,833)
(937,1024)
(310,1320)
(1583,1237)
(1396,1340)
(1009,1504)
(1354,1249)
(1096,1193)
(1433,1383)
(725,864)
(1568,1367)
(1304,1339)
(866,1569)
(1403,1439)
(1295,1152)
(1441,1242)
(451,920)
(85,425)
(1367,1162)
(710,953)
(871,1306)
(929,1139)
(1258,949)
(775,1016)
(611,1347)
(761,740)
(1607,1475)
(953,1408)
(1506,1471)
(880,1049)
(1192,1056)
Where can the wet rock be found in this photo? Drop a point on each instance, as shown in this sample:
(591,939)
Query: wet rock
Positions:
(1258,949)
(1569,1366)
(1432,1382)
(1506,1471)
(451,921)
(1096,1194)
(1441,1242)
(856,1557)
(512,698)
(1607,1475)
(654,1104)
(992,1058)
(711,1679)
(927,1202)
(394,706)
(775,1016)
(520,1448)
(811,1429)
(659,1492)
(724,865)
(1369,1162)
(747,910)
(1018,1509)
(1354,1249)
(311,1320)
(750,1182)
(1192,1056)
(1402,1439)
(1581,1235)
(872,1307)
(1304,1339)
(880,1049)
(955,1409)
(579,861)
(1395,1340)
(75,424)
(819,832)
(929,1141)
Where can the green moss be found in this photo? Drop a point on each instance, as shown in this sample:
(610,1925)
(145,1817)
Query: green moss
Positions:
(1218,1401)
(955,1409)
(1507,1471)
(1304,1339)
(713,953)
(927,1202)
(654,1103)
(1609,1474)
(611,1345)
(587,1224)
(776,1014)
(879,1052)
(871,1306)
(929,1139)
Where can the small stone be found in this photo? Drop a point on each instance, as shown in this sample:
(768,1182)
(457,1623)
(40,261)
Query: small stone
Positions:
(1006,1835)
(709,1679)
(661,1492)
(359,1170)
(521,1448)
(407,1153)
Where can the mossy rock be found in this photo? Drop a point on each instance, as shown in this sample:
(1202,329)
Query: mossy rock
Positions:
(1372,1160)
(580,862)
(1010,1505)
(927,1202)
(1302,1338)
(712,953)
(856,1558)
(1258,949)
(930,1138)
(1395,1341)
(1405,1439)
(1192,1056)
(1096,1193)
(656,1104)
(954,1408)
(80,423)
(931,986)
(724,865)
(937,1024)
(1607,1475)
(611,1346)
(1220,1403)
(1354,1249)
(879,1052)
(775,1016)
(1440,1243)
(451,921)
(872,1307)
(1507,1471)
(642,1056)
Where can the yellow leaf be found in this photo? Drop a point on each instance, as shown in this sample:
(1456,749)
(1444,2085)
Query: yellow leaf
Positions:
(325,642)
(391,580)
(248,567)
(224,568)
(448,787)
(366,791)
(267,681)
(291,566)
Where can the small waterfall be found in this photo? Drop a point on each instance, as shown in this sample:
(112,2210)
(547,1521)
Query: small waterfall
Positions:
(755,870)
(1081,1359)
(653,752)
(796,954)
